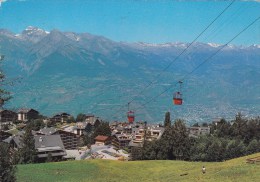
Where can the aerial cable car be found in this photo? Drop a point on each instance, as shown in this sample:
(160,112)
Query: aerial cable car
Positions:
(177,96)
(130,115)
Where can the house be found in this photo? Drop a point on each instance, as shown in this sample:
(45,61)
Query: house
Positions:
(7,117)
(102,140)
(27,114)
(70,140)
(121,140)
(45,145)
(92,123)
(153,132)
(60,118)
(82,128)
(49,145)
(195,131)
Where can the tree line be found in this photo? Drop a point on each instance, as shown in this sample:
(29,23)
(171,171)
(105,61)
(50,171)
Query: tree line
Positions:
(226,140)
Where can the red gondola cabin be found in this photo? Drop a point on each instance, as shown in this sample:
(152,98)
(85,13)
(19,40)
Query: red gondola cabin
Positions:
(130,116)
(177,99)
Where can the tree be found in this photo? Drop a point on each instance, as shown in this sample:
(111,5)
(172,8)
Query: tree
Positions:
(102,129)
(253,147)
(4,95)
(222,129)
(71,119)
(180,139)
(239,127)
(36,124)
(235,148)
(80,117)
(167,119)
(7,169)
(27,153)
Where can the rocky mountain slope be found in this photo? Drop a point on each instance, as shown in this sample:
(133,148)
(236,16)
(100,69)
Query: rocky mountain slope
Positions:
(80,72)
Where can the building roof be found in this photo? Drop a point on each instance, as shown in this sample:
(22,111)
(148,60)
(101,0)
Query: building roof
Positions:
(6,110)
(102,138)
(25,110)
(48,141)
(62,114)
(16,139)
(47,131)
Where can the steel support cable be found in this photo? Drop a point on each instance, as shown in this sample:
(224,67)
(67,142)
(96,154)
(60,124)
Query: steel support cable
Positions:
(176,58)
(184,50)
(197,67)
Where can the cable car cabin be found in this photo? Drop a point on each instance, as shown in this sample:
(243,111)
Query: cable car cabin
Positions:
(177,99)
(130,116)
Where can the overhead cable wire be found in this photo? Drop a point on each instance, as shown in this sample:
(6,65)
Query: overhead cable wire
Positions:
(197,67)
(179,55)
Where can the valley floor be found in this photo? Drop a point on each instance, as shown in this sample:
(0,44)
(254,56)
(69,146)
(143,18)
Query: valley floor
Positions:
(107,170)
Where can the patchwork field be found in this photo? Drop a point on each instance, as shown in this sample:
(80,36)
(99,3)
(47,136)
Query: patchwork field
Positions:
(107,170)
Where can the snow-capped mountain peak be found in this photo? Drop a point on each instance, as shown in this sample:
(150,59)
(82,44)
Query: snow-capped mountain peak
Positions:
(213,44)
(33,34)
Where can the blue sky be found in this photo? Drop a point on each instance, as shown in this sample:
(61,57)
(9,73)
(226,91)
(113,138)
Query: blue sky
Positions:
(153,21)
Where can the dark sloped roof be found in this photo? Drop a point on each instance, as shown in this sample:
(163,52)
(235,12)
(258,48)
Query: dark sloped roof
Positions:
(26,110)
(48,141)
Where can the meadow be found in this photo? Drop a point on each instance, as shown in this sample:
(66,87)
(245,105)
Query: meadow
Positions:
(107,170)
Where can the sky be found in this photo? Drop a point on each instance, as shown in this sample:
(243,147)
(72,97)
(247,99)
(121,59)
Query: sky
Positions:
(151,21)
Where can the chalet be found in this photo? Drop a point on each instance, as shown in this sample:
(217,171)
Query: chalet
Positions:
(86,127)
(153,132)
(7,117)
(27,114)
(102,140)
(60,118)
(92,123)
(45,145)
(80,128)
(70,140)
(49,145)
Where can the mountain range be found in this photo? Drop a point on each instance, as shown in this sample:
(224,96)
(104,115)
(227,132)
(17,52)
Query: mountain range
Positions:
(84,73)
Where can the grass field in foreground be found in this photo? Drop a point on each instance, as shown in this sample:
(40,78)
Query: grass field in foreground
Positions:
(107,170)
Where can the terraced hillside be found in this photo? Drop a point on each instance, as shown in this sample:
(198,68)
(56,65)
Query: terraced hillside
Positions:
(105,170)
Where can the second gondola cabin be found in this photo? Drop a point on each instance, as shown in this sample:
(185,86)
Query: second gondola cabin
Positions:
(177,98)
(131,116)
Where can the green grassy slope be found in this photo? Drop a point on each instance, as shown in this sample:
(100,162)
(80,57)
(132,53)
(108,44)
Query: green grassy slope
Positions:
(106,170)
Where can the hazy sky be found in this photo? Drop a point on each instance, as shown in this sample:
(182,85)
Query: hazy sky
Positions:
(136,20)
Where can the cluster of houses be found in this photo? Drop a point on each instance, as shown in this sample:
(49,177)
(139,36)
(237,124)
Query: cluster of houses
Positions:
(53,142)
(8,117)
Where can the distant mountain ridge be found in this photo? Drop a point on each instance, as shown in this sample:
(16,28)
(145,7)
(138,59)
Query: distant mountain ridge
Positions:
(80,72)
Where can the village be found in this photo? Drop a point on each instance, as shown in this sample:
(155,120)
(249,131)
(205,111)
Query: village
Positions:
(62,138)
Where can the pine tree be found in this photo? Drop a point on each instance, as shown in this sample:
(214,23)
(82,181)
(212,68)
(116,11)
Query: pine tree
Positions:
(180,139)
(7,168)
(27,153)
(102,129)
(167,120)
(4,95)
